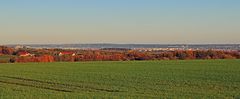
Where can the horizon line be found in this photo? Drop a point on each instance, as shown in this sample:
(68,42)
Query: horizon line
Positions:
(127,43)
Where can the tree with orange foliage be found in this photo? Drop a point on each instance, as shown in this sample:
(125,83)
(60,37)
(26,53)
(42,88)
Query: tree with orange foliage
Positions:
(46,58)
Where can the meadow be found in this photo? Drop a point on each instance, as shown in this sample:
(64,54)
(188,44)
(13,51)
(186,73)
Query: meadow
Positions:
(128,79)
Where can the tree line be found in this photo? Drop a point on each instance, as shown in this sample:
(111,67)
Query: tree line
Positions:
(52,55)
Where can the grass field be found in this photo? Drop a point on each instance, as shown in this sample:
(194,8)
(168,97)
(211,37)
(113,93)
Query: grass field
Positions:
(135,79)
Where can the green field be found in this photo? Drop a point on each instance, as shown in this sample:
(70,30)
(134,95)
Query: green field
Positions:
(134,79)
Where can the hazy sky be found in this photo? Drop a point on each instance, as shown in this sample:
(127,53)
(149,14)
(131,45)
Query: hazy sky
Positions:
(119,21)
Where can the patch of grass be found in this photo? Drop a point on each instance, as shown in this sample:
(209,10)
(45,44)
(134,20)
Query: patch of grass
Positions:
(5,58)
(134,79)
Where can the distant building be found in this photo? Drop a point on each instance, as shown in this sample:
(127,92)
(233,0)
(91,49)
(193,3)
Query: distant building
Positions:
(19,47)
(67,53)
(24,54)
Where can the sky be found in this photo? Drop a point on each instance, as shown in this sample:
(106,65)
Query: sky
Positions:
(120,21)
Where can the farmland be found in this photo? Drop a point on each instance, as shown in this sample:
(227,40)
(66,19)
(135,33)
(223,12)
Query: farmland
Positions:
(128,79)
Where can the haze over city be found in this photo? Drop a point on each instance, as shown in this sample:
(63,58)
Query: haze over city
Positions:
(119,21)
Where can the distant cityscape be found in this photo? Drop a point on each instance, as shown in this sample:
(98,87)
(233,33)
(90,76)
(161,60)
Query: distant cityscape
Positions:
(143,47)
